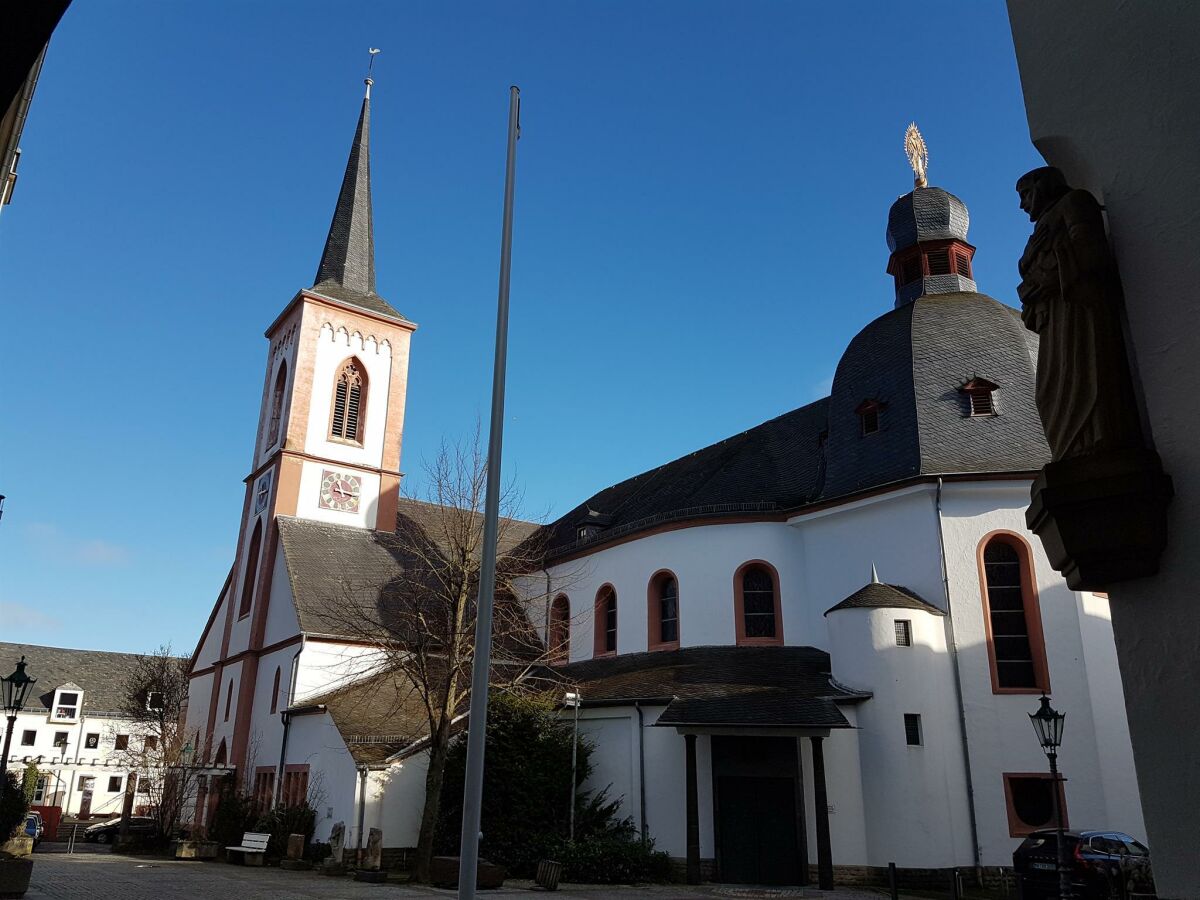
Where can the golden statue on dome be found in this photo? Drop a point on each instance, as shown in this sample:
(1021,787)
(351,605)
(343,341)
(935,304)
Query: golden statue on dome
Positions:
(917,153)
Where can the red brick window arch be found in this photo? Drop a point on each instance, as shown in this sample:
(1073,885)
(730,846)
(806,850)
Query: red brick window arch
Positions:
(251,570)
(347,416)
(605,630)
(277,405)
(558,639)
(1012,616)
(662,611)
(757,611)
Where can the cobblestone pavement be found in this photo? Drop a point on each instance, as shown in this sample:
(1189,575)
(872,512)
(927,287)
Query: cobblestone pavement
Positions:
(86,876)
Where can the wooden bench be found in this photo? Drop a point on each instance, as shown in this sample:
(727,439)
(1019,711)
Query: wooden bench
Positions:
(253,848)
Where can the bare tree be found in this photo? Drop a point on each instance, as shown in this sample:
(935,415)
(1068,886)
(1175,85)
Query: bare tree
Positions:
(152,699)
(421,622)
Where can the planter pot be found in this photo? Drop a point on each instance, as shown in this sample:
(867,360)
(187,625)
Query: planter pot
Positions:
(14,877)
(196,849)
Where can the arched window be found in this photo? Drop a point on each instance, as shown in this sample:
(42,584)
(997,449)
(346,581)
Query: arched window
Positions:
(1013,620)
(277,405)
(228,701)
(662,607)
(349,402)
(756,604)
(221,753)
(559,639)
(275,692)
(606,621)
(251,571)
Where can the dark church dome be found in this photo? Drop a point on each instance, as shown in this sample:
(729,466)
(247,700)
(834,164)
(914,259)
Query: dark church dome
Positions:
(926,214)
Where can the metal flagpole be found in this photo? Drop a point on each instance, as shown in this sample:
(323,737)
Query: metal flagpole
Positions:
(477,729)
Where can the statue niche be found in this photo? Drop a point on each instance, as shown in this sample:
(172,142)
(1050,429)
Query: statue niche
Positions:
(1100,505)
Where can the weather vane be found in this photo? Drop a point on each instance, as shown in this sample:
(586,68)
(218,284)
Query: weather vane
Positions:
(371,51)
(917,153)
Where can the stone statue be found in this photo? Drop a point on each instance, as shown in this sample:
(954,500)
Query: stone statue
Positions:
(374,856)
(337,842)
(1071,296)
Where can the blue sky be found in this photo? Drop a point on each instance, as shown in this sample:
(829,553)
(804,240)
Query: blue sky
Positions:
(701,199)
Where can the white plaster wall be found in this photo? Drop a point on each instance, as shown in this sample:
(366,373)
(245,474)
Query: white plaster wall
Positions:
(1110,91)
(266,728)
(704,560)
(336,344)
(209,651)
(326,665)
(614,760)
(1122,798)
(999,734)
(844,793)
(199,697)
(918,813)
(332,777)
(281,613)
(222,725)
(395,797)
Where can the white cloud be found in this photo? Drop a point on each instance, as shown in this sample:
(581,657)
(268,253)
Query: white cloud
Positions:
(50,539)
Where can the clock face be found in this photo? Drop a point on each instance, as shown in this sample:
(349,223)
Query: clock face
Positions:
(262,493)
(340,491)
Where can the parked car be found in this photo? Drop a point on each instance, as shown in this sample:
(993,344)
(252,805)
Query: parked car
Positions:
(107,832)
(34,827)
(1098,862)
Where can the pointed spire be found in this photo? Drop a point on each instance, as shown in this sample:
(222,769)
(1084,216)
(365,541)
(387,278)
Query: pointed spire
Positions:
(348,261)
(874,575)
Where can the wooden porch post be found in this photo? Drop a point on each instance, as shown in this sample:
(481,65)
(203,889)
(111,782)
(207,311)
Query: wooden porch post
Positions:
(801,819)
(821,802)
(693,810)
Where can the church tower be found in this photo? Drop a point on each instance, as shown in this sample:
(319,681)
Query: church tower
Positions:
(332,414)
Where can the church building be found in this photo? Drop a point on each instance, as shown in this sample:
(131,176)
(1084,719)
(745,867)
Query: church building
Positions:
(815,643)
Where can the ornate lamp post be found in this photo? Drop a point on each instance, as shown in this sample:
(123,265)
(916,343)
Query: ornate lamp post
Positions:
(1048,723)
(573,698)
(16,687)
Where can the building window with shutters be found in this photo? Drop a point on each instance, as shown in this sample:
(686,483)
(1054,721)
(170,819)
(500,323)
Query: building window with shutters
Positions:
(605,629)
(758,618)
(1012,617)
(663,612)
(295,785)
(349,403)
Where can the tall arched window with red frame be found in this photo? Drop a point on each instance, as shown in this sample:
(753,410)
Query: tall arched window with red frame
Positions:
(662,611)
(1012,616)
(605,630)
(277,405)
(559,638)
(346,418)
(248,576)
(757,610)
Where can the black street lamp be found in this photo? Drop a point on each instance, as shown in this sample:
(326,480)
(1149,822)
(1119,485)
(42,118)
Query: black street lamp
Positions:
(1048,723)
(16,686)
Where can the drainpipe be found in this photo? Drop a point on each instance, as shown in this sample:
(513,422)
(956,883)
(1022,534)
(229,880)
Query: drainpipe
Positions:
(286,717)
(962,711)
(362,809)
(641,771)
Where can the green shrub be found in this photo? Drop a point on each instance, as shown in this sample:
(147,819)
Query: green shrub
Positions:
(29,782)
(13,807)
(285,821)
(614,858)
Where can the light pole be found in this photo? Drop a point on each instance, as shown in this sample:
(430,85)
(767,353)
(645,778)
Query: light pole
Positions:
(574,698)
(1048,723)
(16,686)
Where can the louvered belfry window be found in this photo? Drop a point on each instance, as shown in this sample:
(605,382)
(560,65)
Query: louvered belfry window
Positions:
(939,262)
(349,398)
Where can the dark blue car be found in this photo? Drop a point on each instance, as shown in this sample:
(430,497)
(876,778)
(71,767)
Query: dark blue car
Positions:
(34,827)
(1102,865)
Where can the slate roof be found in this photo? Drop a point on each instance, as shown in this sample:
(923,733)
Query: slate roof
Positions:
(913,360)
(713,686)
(875,595)
(99,673)
(335,568)
(347,268)
(377,716)
(926,214)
